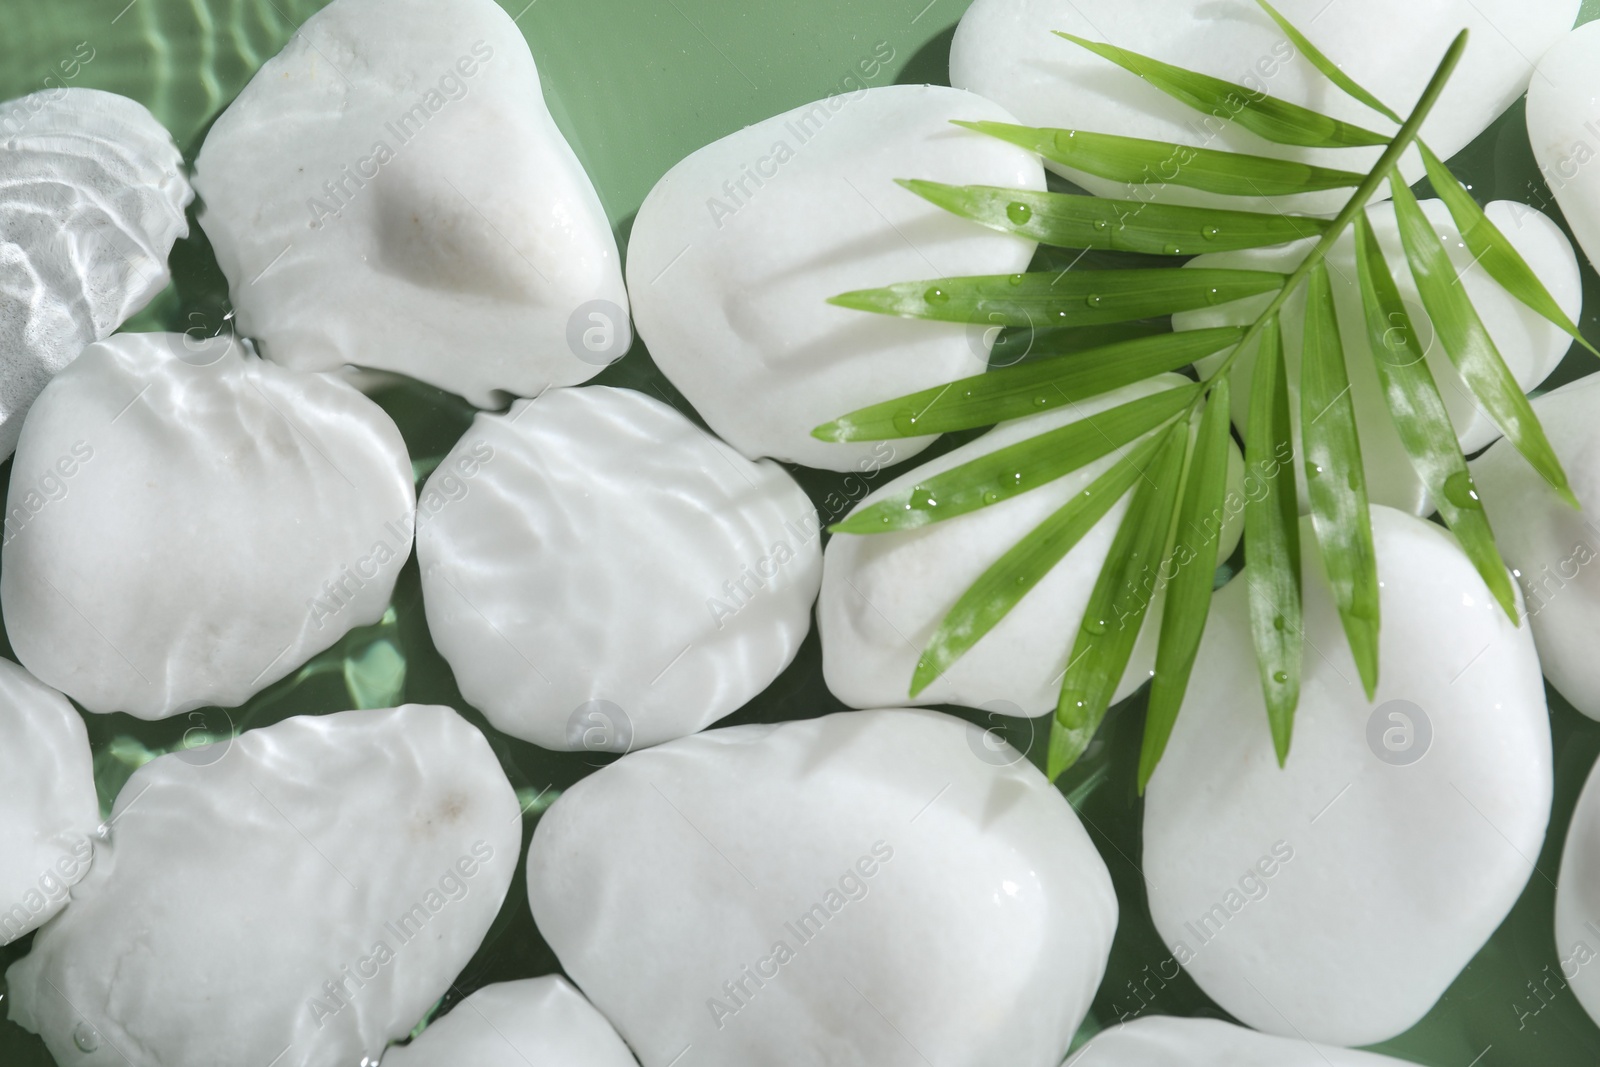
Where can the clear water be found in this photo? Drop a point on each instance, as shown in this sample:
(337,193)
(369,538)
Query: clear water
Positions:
(636,86)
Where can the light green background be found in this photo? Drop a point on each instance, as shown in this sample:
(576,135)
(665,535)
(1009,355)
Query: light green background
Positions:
(636,85)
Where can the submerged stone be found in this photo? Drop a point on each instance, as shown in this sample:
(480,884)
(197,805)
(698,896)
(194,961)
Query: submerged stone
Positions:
(299,899)
(94,199)
(187,523)
(862,888)
(602,574)
(390,191)
(737,249)
(1335,898)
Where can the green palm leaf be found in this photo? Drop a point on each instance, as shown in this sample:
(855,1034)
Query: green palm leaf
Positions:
(1467,342)
(1014,344)
(1028,388)
(1328,67)
(1265,116)
(1014,574)
(1117,606)
(1420,417)
(1061,298)
(1193,565)
(1014,469)
(1491,249)
(1135,161)
(1105,319)
(1272,539)
(1335,479)
(1072,221)
(1488,245)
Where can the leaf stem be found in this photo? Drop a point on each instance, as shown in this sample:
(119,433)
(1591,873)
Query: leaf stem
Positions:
(1358,201)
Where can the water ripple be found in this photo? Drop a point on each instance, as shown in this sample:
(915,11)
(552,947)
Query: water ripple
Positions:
(184,59)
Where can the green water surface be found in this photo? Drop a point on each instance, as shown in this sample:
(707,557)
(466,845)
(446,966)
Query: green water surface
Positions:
(637,85)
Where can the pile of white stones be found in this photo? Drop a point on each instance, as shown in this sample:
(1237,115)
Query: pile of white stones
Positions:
(191,521)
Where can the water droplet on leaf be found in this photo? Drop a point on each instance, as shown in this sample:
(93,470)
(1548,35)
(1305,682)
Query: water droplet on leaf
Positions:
(1280,677)
(85,1037)
(936,295)
(922,499)
(1460,490)
(1018,213)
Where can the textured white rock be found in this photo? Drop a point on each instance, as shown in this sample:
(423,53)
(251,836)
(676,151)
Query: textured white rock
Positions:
(239,892)
(187,523)
(600,572)
(1167,1041)
(48,808)
(1006,50)
(516,1024)
(1554,550)
(1335,899)
(1564,130)
(391,191)
(737,248)
(884,595)
(1578,900)
(94,198)
(1530,345)
(900,872)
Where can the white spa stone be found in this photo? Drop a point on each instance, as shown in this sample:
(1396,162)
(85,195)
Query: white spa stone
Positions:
(884,595)
(1334,899)
(1007,51)
(48,809)
(737,248)
(1578,900)
(1564,130)
(1168,1041)
(1530,345)
(94,197)
(601,573)
(187,523)
(306,894)
(528,1023)
(391,191)
(859,875)
(1553,549)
